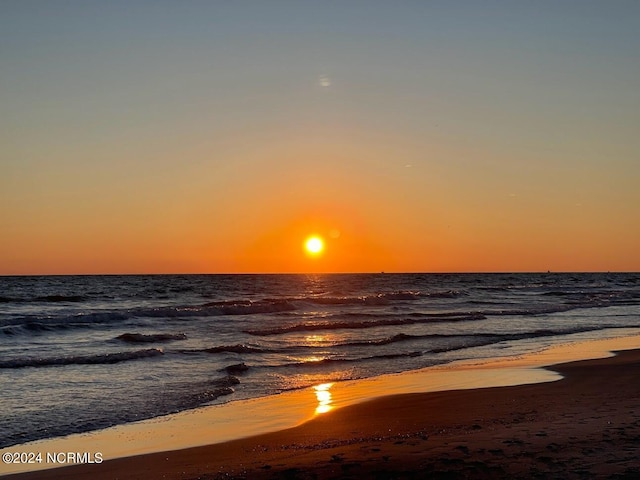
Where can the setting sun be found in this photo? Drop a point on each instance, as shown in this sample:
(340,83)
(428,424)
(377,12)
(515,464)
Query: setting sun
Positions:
(314,245)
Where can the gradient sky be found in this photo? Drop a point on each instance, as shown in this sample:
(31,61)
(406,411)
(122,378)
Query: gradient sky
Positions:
(214,136)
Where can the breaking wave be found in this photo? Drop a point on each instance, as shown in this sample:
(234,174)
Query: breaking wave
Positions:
(213,309)
(308,327)
(239,348)
(330,361)
(100,359)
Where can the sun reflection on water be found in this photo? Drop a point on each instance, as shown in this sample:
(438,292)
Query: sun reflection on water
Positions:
(324,397)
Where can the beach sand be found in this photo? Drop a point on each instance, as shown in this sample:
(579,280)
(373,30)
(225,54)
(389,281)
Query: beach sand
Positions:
(586,425)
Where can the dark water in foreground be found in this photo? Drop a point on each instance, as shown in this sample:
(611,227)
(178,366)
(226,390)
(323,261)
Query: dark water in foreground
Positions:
(79,353)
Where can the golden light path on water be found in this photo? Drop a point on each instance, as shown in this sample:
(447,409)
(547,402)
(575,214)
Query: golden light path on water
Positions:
(323,394)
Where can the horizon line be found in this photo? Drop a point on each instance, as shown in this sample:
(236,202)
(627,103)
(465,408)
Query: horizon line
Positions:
(382,272)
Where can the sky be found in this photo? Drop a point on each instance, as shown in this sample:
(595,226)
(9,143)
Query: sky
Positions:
(412,136)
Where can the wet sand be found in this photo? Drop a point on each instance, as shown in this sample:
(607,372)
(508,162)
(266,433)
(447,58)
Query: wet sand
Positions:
(586,425)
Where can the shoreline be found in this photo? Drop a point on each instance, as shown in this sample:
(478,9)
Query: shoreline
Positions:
(214,425)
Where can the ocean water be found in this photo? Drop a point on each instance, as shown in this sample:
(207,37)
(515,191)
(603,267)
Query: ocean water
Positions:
(78,353)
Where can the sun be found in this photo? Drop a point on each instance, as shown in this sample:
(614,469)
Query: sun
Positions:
(314,245)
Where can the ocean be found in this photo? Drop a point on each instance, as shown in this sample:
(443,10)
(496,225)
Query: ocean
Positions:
(79,353)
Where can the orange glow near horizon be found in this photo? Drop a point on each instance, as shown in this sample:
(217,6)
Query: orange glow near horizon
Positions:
(275,242)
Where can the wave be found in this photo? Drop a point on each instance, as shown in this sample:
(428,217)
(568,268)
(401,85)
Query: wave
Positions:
(331,361)
(213,309)
(208,396)
(287,304)
(237,368)
(44,299)
(221,387)
(446,294)
(482,339)
(384,298)
(448,342)
(308,327)
(61,298)
(400,337)
(86,320)
(31,325)
(226,381)
(560,293)
(377,299)
(150,338)
(596,298)
(38,324)
(191,395)
(239,348)
(461,342)
(531,311)
(492,337)
(100,359)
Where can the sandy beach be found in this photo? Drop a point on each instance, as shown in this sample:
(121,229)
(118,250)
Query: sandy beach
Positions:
(586,425)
